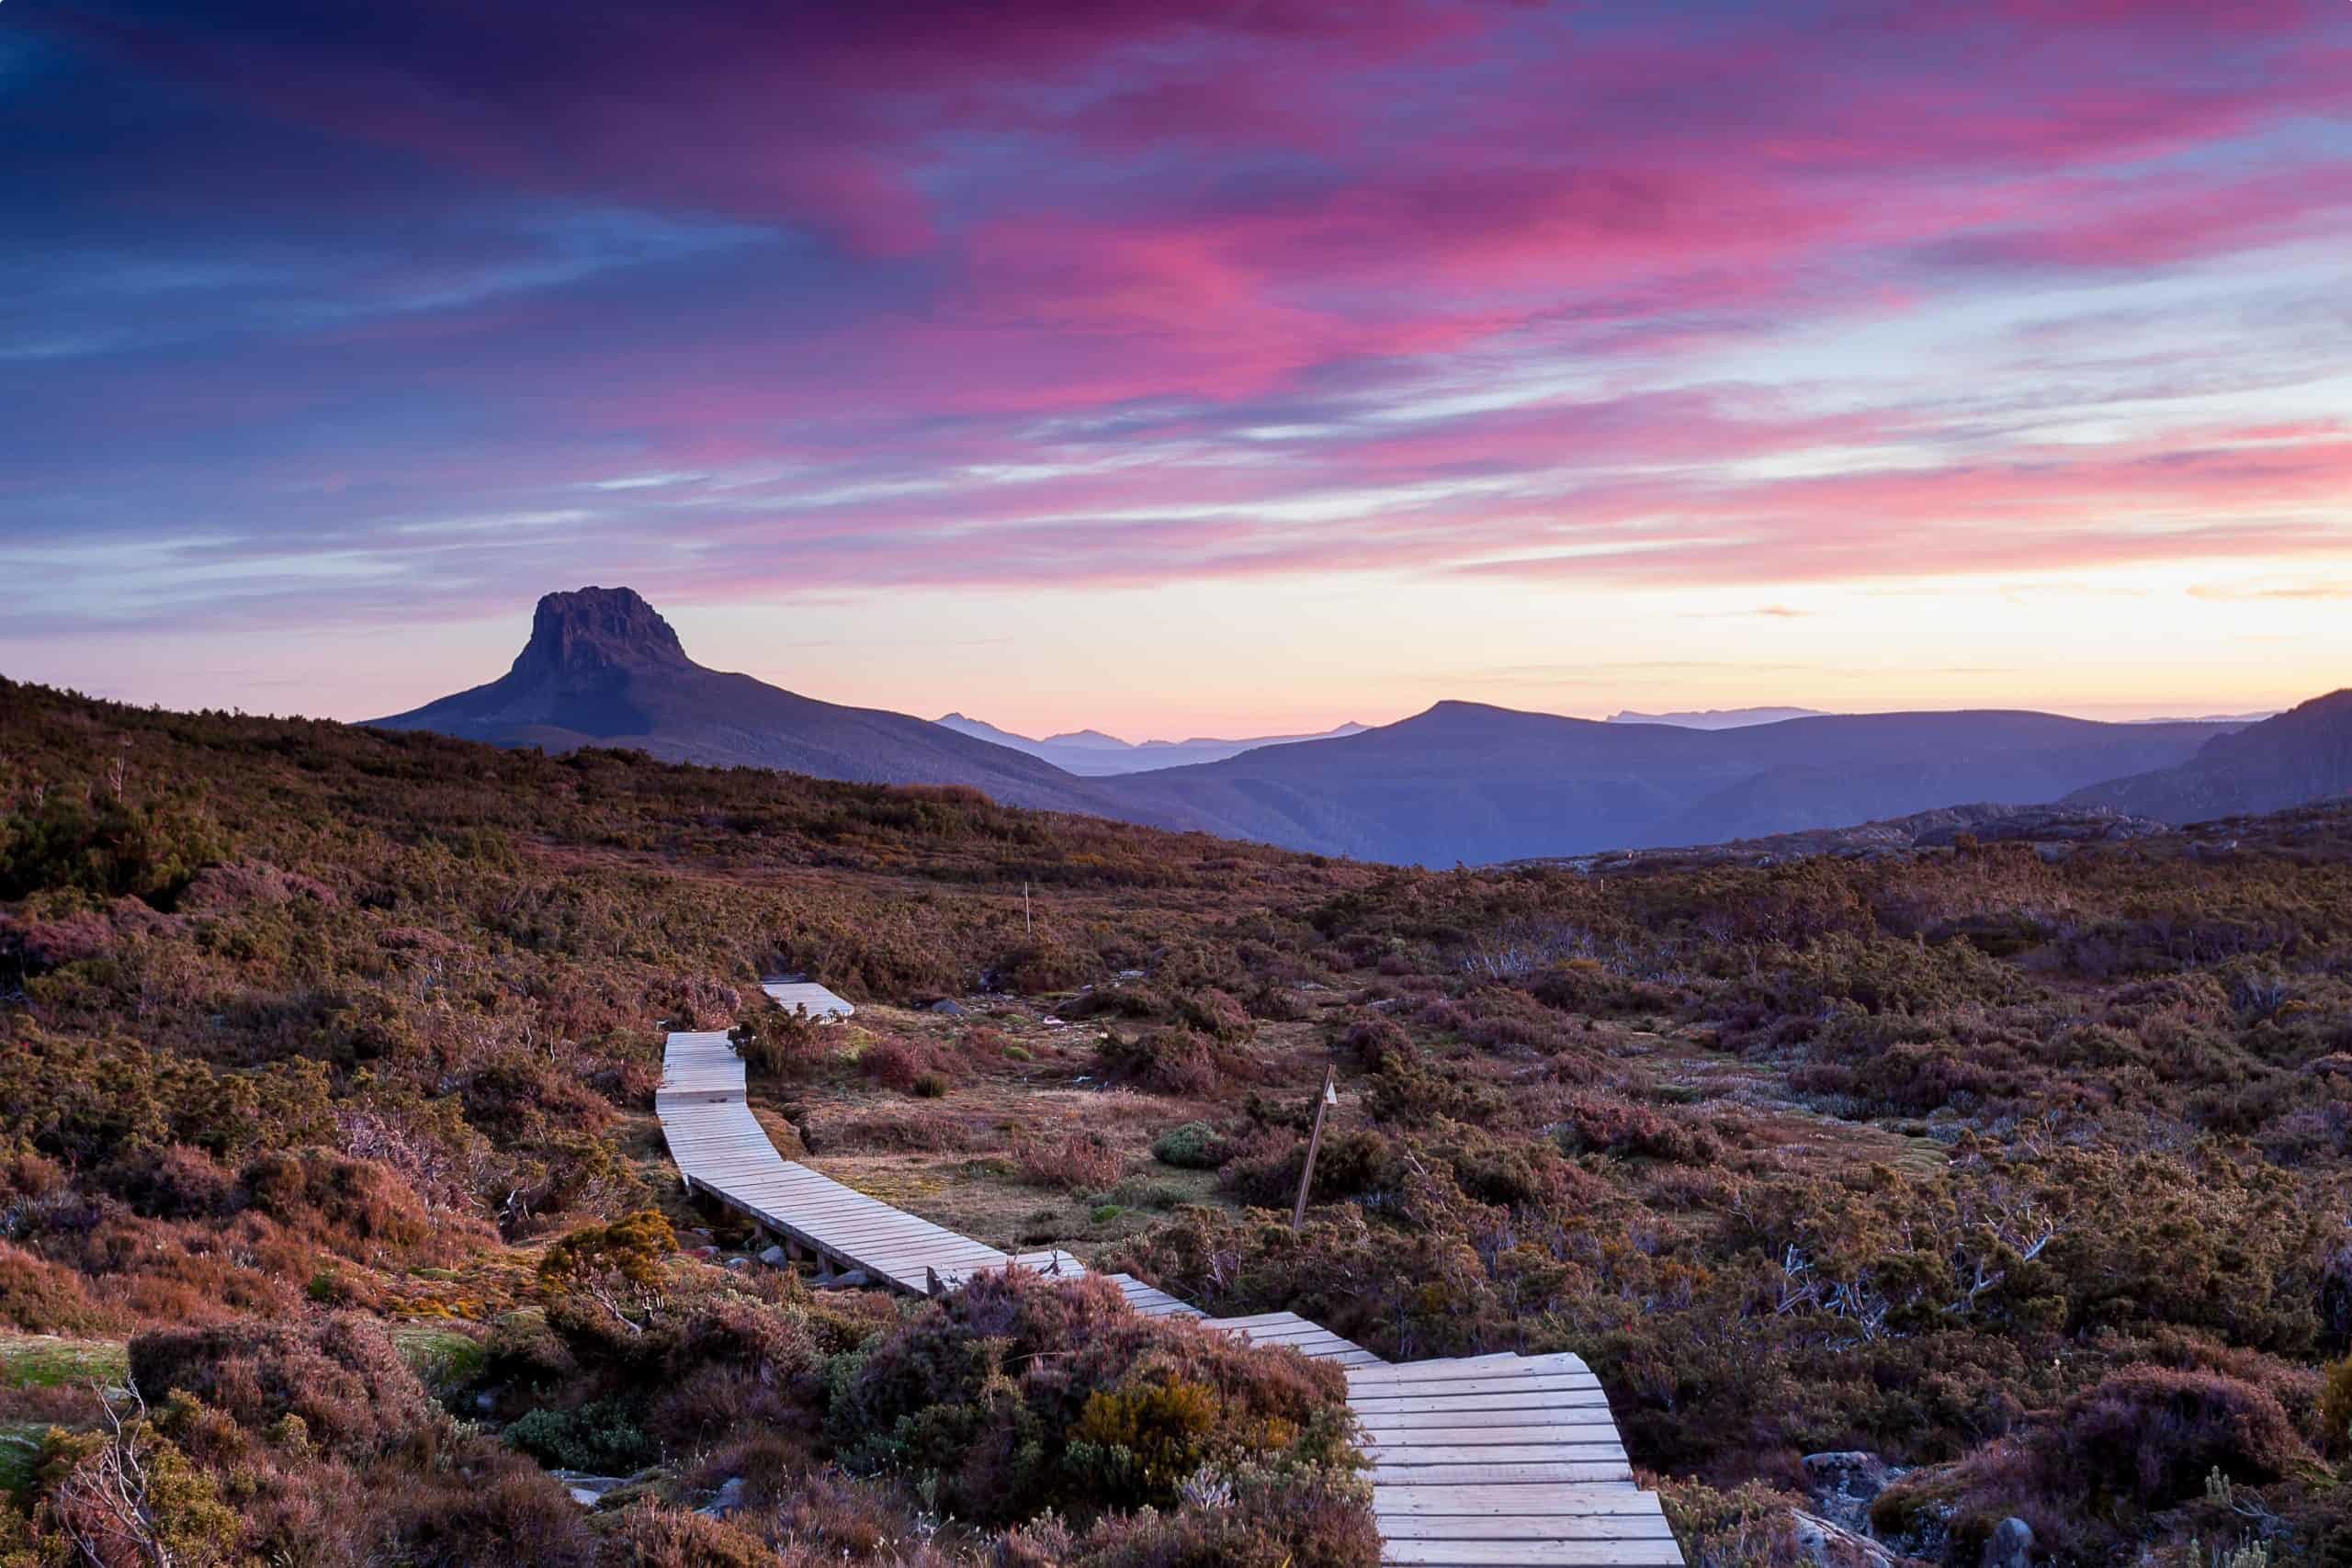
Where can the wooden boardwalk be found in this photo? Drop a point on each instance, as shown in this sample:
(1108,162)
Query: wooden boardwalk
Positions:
(1479,1461)
(722,1150)
(792,993)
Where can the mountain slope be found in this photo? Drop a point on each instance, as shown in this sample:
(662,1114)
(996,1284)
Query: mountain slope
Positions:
(1090,753)
(603,668)
(2303,754)
(1464,782)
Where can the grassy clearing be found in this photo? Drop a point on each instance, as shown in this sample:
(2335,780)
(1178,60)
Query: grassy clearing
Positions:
(41,1361)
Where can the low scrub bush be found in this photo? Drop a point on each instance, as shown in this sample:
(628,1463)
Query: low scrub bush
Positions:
(1074,1162)
(1171,1061)
(603,1438)
(1193,1146)
(1022,1395)
(2152,1437)
(340,1376)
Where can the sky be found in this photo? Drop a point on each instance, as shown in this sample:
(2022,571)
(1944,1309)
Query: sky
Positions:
(1213,366)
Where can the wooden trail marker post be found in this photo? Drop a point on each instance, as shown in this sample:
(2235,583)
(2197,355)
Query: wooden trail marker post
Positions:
(1330,1098)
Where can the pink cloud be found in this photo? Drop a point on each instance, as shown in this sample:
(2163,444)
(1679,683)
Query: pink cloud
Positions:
(1207,278)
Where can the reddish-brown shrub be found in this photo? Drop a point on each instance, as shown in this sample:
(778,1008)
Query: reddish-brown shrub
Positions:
(353,1206)
(340,1373)
(1600,1123)
(896,1063)
(174,1182)
(41,1297)
(1044,964)
(1171,1061)
(1075,1162)
(2153,1436)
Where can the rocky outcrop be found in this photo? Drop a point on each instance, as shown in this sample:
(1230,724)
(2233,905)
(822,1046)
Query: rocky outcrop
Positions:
(1843,1486)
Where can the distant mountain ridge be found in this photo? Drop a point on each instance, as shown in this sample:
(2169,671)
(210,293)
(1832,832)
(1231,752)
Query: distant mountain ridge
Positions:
(1715,718)
(603,668)
(1461,782)
(2302,755)
(1471,783)
(1090,753)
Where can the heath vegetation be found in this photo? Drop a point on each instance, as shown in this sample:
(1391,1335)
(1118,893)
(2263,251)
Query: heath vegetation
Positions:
(329,1058)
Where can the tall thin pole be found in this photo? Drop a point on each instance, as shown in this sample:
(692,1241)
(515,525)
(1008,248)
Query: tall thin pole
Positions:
(1323,1102)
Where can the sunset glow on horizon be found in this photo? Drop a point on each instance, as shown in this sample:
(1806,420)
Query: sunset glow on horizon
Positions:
(1185,369)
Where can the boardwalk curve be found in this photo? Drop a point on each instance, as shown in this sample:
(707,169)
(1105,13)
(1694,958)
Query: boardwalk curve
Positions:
(1477,1461)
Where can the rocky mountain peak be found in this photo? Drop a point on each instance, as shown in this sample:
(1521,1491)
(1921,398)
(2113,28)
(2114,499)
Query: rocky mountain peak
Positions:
(597,629)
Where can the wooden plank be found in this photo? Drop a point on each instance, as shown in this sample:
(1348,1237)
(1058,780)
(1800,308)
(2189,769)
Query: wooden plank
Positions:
(1511,1502)
(1539,1399)
(1481,1366)
(945,1259)
(1645,1553)
(1498,1474)
(1495,1358)
(1385,1455)
(1651,1526)
(1498,1382)
(1486,1420)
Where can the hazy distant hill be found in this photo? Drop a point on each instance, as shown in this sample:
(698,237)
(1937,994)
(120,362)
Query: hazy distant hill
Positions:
(1473,784)
(1093,754)
(2303,754)
(603,669)
(1715,718)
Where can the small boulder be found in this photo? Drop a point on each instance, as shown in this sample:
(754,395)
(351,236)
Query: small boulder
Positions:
(947,1008)
(774,1256)
(2010,1545)
(727,1500)
(1844,1483)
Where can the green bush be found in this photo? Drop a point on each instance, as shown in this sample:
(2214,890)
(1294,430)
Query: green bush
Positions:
(1193,1146)
(603,1438)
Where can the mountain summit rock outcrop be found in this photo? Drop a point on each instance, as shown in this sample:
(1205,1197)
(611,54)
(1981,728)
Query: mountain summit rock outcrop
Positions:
(598,628)
(603,668)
